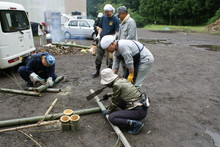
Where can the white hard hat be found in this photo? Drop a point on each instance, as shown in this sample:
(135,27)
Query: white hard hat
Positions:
(107,76)
(109,7)
(107,40)
(100,15)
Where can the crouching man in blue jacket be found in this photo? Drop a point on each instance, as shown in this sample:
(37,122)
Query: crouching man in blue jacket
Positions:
(38,68)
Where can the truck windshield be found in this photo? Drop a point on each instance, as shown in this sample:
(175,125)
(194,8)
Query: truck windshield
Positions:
(12,21)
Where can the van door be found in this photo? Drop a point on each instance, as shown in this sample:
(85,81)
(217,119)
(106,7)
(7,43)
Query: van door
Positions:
(16,36)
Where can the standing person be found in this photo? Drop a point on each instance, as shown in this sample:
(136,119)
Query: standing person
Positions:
(126,96)
(38,68)
(42,33)
(96,24)
(127,30)
(137,57)
(109,25)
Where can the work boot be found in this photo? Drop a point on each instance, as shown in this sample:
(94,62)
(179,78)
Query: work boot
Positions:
(97,72)
(135,126)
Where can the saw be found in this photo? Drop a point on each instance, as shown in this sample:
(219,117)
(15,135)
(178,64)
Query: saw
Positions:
(97,92)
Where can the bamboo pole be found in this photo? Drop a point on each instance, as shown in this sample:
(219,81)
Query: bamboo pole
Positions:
(20,92)
(47,90)
(117,130)
(72,45)
(49,109)
(30,137)
(43,87)
(30,126)
(28,120)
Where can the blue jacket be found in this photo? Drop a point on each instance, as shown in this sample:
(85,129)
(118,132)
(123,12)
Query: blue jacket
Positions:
(34,64)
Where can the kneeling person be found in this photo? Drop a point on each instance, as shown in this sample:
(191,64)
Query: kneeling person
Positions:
(127,97)
(38,68)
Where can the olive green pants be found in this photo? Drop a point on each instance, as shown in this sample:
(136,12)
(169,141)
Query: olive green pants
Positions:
(99,56)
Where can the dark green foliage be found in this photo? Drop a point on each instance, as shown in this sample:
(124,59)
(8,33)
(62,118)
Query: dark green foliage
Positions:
(215,17)
(173,12)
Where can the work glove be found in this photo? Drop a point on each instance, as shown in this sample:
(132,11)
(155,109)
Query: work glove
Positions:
(50,81)
(105,97)
(131,78)
(35,78)
(105,112)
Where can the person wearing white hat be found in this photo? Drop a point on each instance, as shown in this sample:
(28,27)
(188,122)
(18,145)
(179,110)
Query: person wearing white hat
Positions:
(109,25)
(126,96)
(97,21)
(137,57)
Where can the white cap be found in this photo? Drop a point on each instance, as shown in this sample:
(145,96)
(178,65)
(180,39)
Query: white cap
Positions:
(109,7)
(107,76)
(107,40)
(100,15)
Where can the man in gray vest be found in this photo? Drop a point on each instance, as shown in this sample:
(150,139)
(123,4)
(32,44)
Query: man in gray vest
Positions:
(127,30)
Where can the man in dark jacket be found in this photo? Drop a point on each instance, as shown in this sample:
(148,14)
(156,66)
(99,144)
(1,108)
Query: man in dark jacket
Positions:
(39,68)
(109,25)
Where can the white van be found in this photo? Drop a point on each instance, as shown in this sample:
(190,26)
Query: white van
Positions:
(16,39)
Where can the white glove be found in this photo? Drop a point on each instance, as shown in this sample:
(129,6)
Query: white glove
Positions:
(97,37)
(50,81)
(35,78)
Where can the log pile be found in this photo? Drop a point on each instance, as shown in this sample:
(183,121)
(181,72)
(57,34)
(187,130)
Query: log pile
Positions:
(62,48)
(214,26)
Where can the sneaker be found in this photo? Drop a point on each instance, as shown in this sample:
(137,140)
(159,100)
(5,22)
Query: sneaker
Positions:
(136,127)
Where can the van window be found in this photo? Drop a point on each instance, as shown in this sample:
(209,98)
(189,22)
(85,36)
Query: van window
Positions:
(12,21)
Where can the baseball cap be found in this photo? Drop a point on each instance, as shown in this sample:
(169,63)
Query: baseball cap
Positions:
(121,9)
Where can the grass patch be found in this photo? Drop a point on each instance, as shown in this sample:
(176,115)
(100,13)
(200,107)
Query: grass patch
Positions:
(200,29)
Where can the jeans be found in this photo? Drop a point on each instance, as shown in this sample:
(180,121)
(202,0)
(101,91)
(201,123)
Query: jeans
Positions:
(119,118)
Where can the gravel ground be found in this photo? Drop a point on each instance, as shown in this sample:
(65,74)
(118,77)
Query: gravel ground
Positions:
(183,85)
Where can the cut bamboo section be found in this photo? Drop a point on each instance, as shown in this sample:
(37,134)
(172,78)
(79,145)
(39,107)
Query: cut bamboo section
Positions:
(35,119)
(72,45)
(20,92)
(74,122)
(116,129)
(68,112)
(44,87)
(65,123)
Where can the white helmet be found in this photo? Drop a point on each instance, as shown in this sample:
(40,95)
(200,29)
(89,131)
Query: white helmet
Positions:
(107,76)
(100,15)
(107,40)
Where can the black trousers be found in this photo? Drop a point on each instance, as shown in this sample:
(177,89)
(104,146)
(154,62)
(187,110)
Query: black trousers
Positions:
(119,118)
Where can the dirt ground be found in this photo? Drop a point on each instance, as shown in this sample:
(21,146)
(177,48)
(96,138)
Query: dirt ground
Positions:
(184,87)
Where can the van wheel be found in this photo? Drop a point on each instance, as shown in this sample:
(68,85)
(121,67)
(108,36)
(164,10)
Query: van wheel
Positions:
(67,35)
(93,36)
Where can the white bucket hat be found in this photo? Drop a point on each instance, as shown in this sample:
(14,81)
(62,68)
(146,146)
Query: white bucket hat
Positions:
(107,76)
(107,40)
(109,7)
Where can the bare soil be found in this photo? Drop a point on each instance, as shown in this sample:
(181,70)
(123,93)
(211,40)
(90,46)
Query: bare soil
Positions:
(184,87)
